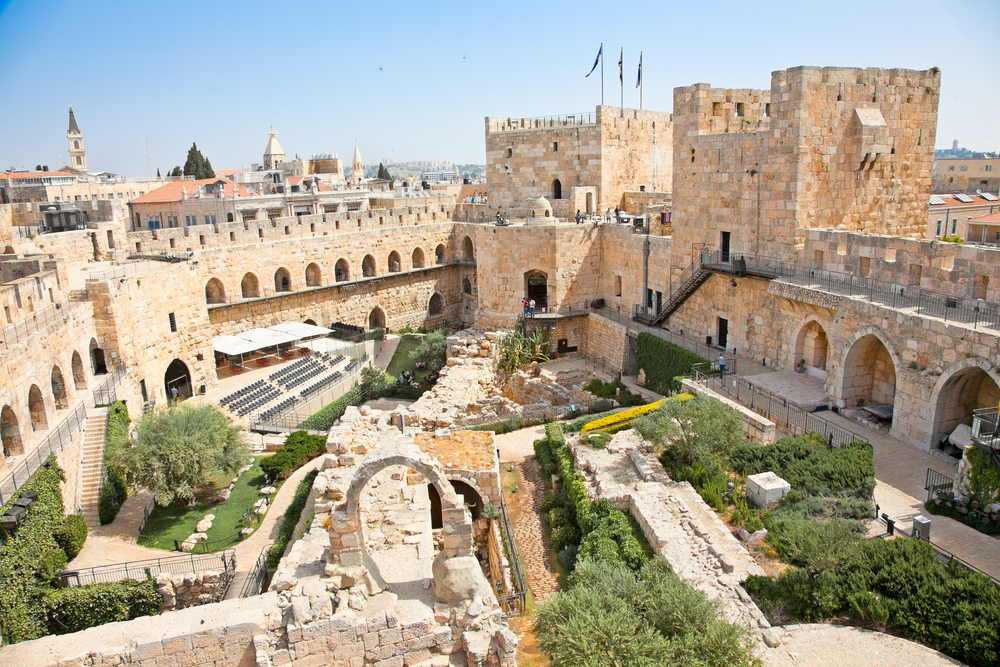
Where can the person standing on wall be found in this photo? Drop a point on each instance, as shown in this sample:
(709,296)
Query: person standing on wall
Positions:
(618,215)
(578,216)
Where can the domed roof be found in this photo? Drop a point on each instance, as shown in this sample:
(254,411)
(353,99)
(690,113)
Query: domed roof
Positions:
(541,208)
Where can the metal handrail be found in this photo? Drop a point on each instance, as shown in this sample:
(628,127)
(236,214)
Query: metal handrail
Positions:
(140,570)
(518,578)
(254,583)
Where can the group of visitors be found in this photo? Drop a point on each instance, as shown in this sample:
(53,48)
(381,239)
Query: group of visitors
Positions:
(529,307)
(407,378)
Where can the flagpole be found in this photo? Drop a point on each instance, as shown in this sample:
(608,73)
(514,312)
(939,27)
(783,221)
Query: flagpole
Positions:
(602,74)
(640,81)
(621,78)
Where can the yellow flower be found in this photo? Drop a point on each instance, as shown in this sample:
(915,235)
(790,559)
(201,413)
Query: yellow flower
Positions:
(619,419)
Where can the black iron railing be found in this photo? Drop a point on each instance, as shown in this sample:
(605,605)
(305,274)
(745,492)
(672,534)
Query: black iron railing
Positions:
(224,563)
(519,581)
(936,483)
(257,577)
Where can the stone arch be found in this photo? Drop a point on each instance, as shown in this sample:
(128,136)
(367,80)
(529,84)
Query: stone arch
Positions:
(177,376)
(310,321)
(368,267)
(250,286)
(376,318)
(466,286)
(436,304)
(282,280)
(36,409)
(342,270)
(418,258)
(314,275)
(215,292)
(869,368)
(79,375)
(10,432)
(468,250)
(472,497)
(8,250)
(812,345)
(59,396)
(963,387)
(536,286)
(394,263)
(98,365)
(439,254)
(556,189)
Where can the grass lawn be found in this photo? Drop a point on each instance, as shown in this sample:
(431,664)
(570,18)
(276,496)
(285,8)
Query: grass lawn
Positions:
(401,359)
(175,522)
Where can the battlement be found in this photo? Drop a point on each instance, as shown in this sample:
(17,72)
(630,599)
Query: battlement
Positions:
(701,109)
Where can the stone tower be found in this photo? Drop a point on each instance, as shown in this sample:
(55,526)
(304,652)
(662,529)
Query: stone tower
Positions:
(357,169)
(77,153)
(273,155)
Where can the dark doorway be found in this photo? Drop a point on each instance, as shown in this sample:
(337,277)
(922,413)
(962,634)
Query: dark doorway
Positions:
(142,390)
(538,289)
(723,333)
(470,498)
(556,189)
(97,362)
(436,519)
(724,248)
(659,301)
(177,377)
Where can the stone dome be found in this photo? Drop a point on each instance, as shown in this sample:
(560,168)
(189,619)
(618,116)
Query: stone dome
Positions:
(541,208)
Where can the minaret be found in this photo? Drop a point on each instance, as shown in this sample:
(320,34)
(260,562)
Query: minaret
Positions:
(357,169)
(273,155)
(77,153)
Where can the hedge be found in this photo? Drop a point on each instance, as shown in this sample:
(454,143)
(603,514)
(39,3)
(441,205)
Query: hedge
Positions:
(115,490)
(664,363)
(71,534)
(290,519)
(299,447)
(74,609)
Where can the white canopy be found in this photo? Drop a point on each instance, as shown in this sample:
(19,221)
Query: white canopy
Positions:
(266,337)
(301,330)
(326,344)
(232,345)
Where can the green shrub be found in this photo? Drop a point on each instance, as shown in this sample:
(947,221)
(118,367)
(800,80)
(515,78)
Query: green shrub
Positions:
(809,464)
(663,362)
(71,534)
(991,527)
(299,448)
(113,495)
(544,456)
(328,415)
(984,477)
(74,609)
(114,491)
(552,501)
(290,519)
(597,440)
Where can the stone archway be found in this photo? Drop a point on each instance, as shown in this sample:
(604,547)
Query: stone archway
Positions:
(36,409)
(368,267)
(79,375)
(439,254)
(963,387)
(466,286)
(98,365)
(436,304)
(868,371)
(282,280)
(215,292)
(468,250)
(536,286)
(812,347)
(10,432)
(177,376)
(314,275)
(376,318)
(250,286)
(59,396)
(342,270)
(456,571)
(394,264)
(418,258)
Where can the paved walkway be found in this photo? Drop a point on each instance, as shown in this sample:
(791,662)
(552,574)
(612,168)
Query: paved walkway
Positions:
(388,350)
(115,542)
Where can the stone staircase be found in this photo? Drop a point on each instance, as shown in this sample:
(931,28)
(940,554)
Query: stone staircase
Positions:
(93,465)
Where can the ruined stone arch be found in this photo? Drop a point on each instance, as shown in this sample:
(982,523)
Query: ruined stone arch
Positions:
(310,321)
(282,280)
(439,253)
(368,269)
(342,270)
(376,318)
(250,286)
(314,275)
(466,286)
(811,343)
(864,369)
(8,250)
(10,432)
(215,292)
(394,263)
(418,258)
(36,409)
(59,395)
(468,250)
(79,374)
(436,304)
(965,386)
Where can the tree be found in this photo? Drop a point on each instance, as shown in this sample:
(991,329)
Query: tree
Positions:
(432,349)
(176,171)
(158,172)
(38,167)
(178,449)
(196,165)
(383,173)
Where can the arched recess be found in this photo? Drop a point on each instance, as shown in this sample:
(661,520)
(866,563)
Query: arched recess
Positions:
(79,375)
(282,280)
(97,362)
(418,258)
(36,409)
(59,396)
(470,497)
(466,286)
(962,388)
(368,266)
(468,250)
(556,189)
(310,321)
(376,318)
(812,346)
(314,275)
(215,292)
(10,432)
(394,263)
(342,270)
(868,372)
(250,286)
(439,254)
(177,376)
(436,304)
(536,286)
(8,250)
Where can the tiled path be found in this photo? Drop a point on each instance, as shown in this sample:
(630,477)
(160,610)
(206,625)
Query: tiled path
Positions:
(518,448)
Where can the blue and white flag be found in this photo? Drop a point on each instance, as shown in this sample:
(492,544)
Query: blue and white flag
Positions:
(638,80)
(621,59)
(597,62)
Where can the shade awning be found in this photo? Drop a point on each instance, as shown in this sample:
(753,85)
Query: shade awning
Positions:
(266,337)
(301,330)
(232,345)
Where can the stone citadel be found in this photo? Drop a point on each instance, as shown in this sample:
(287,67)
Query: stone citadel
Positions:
(751,204)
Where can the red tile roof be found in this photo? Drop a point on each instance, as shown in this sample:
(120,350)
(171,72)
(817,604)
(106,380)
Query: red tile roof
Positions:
(951,202)
(174,191)
(992,218)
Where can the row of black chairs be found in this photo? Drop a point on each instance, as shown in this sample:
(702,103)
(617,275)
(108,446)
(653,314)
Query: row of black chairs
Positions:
(278,376)
(277,409)
(245,391)
(303,375)
(348,327)
(316,386)
(255,401)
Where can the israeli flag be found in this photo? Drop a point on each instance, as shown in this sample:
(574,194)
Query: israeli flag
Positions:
(597,62)
(621,60)
(638,80)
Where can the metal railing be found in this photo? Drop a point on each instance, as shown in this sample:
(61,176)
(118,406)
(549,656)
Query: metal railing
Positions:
(223,562)
(689,344)
(256,579)
(986,427)
(779,410)
(55,440)
(563,120)
(935,483)
(130,268)
(519,581)
(55,315)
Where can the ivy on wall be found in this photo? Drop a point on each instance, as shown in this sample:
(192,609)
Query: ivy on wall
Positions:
(664,363)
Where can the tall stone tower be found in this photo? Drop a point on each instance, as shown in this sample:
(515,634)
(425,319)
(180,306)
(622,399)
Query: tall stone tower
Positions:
(357,169)
(273,155)
(77,153)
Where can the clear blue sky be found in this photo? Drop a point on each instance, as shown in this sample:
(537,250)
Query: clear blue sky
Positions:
(221,73)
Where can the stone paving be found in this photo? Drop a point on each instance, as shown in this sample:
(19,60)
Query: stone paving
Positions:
(801,390)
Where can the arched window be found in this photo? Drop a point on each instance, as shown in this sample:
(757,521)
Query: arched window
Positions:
(36,408)
(342,270)
(556,189)
(215,292)
(59,389)
(368,266)
(536,287)
(282,280)
(466,286)
(468,250)
(79,375)
(76,145)
(11,432)
(394,264)
(314,276)
(229,217)
(439,253)
(250,287)
(376,318)
(418,258)
(436,305)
